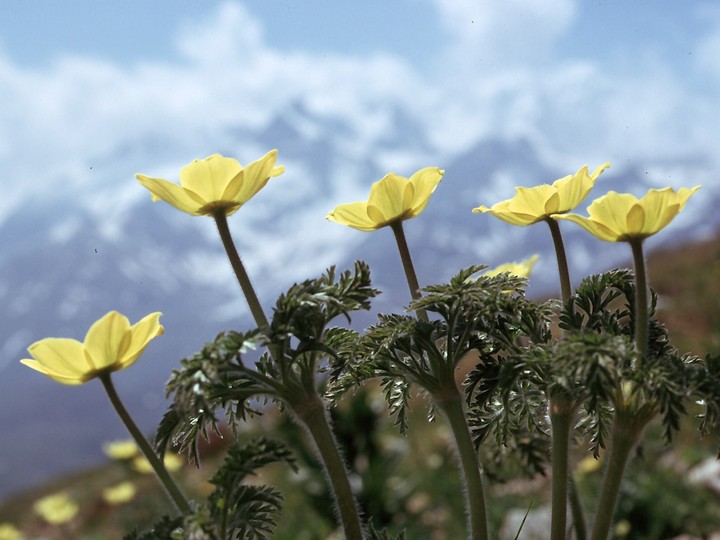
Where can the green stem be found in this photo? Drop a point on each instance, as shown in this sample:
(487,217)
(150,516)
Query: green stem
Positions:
(157,464)
(312,414)
(576,508)
(561,415)
(563,271)
(237,266)
(410,275)
(626,432)
(451,404)
(642,312)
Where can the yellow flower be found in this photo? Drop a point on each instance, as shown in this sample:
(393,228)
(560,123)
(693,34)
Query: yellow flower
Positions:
(119,493)
(620,217)
(111,344)
(8,531)
(172,462)
(521,269)
(121,450)
(587,465)
(530,205)
(56,509)
(394,198)
(214,183)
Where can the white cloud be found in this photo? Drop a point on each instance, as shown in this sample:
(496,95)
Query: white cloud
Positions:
(486,34)
(497,75)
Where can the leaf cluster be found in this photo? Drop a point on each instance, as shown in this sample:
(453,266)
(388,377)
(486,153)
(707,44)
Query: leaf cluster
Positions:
(235,510)
(296,342)
(485,315)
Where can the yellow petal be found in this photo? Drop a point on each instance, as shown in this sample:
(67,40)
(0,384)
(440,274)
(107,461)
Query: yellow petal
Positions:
(635,220)
(209,177)
(530,205)
(177,196)
(108,339)
(662,205)
(572,190)
(141,334)
(253,178)
(61,359)
(521,269)
(424,183)
(598,171)
(62,378)
(501,211)
(596,229)
(534,201)
(611,211)
(390,198)
(353,215)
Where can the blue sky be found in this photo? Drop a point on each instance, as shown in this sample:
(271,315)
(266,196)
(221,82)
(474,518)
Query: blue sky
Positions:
(585,82)
(611,32)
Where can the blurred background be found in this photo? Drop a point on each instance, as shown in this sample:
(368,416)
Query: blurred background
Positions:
(499,94)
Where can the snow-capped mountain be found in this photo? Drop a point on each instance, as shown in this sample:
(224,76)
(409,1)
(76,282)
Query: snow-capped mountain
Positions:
(69,257)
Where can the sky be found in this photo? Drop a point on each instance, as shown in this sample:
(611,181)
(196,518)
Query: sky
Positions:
(585,81)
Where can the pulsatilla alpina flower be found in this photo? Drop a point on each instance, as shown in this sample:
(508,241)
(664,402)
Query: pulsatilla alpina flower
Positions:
(214,184)
(111,344)
(394,198)
(56,509)
(119,493)
(531,205)
(621,217)
(520,269)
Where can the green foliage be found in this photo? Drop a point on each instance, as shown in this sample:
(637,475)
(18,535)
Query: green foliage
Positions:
(165,529)
(297,343)
(485,314)
(235,510)
(247,511)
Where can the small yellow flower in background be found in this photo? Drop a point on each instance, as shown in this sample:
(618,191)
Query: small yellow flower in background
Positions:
(587,465)
(111,344)
(119,493)
(521,268)
(214,183)
(621,217)
(623,528)
(394,198)
(531,205)
(172,462)
(8,531)
(56,509)
(121,450)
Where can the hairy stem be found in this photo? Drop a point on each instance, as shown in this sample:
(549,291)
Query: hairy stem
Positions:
(626,431)
(562,414)
(155,461)
(312,414)
(451,404)
(642,312)
(563,270)
(410,275)
(237,266)
(311,411)
(576,508)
